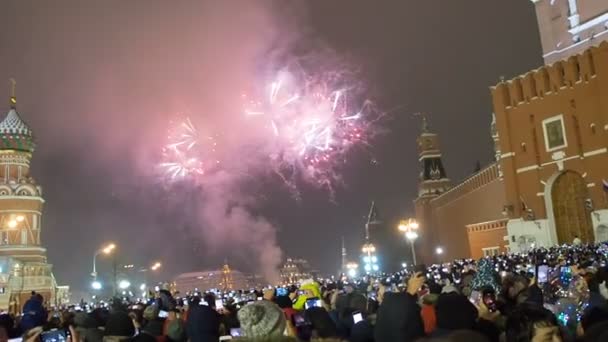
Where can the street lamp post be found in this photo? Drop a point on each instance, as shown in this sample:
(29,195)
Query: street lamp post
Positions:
(352,269)
(410,227)
(105,250)
(369,259)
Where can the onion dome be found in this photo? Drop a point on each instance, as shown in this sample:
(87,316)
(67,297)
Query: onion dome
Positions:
(15,134)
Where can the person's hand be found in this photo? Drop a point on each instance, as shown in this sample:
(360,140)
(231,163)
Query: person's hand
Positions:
(32,335)
(415,283)
(381,291)
(74,335)
(485,313)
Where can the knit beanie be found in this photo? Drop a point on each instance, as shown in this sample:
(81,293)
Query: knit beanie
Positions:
(262,319)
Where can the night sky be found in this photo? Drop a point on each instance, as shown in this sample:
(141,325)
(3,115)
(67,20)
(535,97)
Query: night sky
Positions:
(98,81)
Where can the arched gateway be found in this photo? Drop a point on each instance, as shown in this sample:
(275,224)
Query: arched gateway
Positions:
(568,195)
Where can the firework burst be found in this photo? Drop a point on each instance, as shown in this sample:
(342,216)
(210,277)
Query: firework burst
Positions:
(313,125)
(186,154)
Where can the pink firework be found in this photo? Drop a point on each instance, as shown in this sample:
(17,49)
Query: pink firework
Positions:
(186,154)
(313,126)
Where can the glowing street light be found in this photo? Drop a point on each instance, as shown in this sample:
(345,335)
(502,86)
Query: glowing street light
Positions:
(96,285)
(352,269)
(108,249)
(439,250)
(124,284)
(410,227)
(156,266)
(103,250)
(12,224)
(369,259)
(20,218)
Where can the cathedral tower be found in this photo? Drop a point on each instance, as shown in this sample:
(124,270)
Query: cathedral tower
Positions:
(23,264)
(433,182)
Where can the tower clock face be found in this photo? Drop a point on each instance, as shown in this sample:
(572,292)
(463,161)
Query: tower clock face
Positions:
(428,143)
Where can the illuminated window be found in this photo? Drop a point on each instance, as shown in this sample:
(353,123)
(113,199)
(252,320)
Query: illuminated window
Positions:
(490,251)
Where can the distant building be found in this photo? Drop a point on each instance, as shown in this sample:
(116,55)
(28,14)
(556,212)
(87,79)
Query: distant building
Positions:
(225,279)
(295,270)
(549,182)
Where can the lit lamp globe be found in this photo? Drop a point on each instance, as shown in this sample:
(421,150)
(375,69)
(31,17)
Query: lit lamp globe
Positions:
(411,235)
(96,285)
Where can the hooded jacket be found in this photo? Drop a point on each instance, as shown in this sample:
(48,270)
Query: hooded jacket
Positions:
(313,287)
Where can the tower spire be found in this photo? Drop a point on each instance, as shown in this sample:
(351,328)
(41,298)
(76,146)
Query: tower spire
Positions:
(425,123)
(13,97)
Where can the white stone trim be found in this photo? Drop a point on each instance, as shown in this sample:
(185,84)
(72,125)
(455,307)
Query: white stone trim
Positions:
(589,24)
(560,118)
(507,155)
(527,168)
(574,45)
(560,160)
(595,152)
(539,194)
(21,211)
(590,185)
(435,155)
(32,198)
(22,248)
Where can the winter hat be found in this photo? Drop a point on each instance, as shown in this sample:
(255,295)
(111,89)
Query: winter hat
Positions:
(151,312)
(119,324)
(262,319)
(176,331)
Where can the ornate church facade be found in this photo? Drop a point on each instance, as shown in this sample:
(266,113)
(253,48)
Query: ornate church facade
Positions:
(23,262)
(549,182)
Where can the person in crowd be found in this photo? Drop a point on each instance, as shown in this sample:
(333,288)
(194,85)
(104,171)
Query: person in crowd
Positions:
(595,297)
(262,320)
(454,312)
(322,326)
(34,313)
(427,311)
(399,316)
(577,241)
(152,324)
(514,292)
(203,324)
(287,306)
(531,323)
(176,331)
(310,289)
(119,327)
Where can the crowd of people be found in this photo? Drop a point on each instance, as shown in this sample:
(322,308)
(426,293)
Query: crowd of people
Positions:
(545,295)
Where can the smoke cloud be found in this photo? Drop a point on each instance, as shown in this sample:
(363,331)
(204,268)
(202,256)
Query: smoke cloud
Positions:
(99,83)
